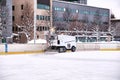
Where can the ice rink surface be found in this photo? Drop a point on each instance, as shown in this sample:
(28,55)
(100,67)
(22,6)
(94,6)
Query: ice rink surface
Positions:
(82,65)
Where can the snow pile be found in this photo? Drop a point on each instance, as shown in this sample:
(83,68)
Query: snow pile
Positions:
(38,41)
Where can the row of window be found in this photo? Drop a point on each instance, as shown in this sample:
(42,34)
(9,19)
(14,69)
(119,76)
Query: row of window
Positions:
(43,6)
(13,18)
(39,6)
(39,28)
(22,7)
(41,17)
(42,28)
(16,29)
(73,20)
(80,11)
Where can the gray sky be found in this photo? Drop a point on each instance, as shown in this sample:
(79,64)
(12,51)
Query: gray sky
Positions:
(113,5)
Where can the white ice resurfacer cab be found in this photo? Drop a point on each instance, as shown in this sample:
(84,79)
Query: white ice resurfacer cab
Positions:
(63,42)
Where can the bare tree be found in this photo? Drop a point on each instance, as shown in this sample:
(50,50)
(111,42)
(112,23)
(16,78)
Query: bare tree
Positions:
(54,17)
(115,28)
(76,23)
(67,18)
(85,22)
(97,21)
(97,24)
(27,20)
(105,25)
(58,22)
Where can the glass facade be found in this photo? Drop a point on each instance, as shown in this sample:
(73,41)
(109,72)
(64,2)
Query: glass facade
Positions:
(43,6)
(81,10)
(88,12)
(67,13)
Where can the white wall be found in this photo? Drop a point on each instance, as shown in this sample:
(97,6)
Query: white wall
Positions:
(98,46)
(23,47)
(41,47)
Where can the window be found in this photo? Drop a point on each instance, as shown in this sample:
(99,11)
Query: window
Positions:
(13,8)
(42,6)
(22,7)
(40,28)
(92,12)
(85,12)
(21,17)
(41,17)
(73,10)
(43,28)
(59,9)
(13,28)
(13,18)
(48,18)
(37,28)
(37,17)
(105,14)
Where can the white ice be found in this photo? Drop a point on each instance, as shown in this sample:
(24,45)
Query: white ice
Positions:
(82,65)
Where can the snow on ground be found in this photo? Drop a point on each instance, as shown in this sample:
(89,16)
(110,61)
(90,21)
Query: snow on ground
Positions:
(82,65)
(38,41)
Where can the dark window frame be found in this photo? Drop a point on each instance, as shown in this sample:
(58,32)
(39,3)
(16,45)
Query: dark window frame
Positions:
(13,8)
(22,7)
